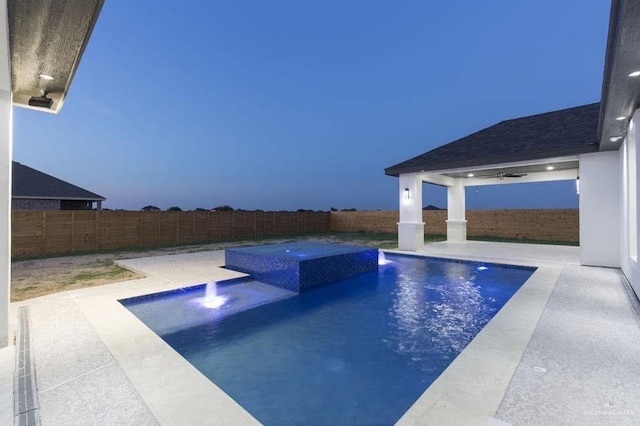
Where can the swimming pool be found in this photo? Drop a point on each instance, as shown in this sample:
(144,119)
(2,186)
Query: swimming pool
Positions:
(359,351)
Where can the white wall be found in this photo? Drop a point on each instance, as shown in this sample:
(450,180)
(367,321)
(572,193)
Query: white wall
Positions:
(629,194)
(5,178)
(600,209)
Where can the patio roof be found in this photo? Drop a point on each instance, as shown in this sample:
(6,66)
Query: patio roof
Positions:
(564,133)
(620,91)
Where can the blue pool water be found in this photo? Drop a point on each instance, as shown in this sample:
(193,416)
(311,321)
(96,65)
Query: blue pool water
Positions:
(359,351)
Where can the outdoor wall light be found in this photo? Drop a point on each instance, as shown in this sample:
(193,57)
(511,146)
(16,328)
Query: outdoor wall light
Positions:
(621,118)
(470,175)
(549,167)
(578,185)
(406,194)
(615,138)
(634,74)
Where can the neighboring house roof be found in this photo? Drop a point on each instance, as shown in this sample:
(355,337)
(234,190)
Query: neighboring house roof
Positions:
(553,134)
(31,183)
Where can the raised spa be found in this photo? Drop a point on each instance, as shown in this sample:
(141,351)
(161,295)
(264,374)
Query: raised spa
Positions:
(302,265)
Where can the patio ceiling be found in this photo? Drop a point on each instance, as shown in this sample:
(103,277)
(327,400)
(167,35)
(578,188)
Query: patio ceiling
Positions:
(526,169)
(620,92)
(47,39)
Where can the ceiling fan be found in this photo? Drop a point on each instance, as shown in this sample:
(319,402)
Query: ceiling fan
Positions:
(502,175)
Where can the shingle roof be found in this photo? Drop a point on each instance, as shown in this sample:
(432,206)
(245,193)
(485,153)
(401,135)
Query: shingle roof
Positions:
(553,134)
(31,183)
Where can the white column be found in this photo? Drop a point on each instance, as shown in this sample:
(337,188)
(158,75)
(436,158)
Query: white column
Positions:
(456,218)
(411,226)
(600,209)
(5,178)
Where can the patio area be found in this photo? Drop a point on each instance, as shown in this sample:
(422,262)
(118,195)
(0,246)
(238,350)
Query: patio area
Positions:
(562,351)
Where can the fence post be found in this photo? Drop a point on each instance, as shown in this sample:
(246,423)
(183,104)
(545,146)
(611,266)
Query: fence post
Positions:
(73,226)
(44,234)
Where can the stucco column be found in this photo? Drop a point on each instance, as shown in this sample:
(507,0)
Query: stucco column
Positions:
(411,226)
(456,218)
(6,121)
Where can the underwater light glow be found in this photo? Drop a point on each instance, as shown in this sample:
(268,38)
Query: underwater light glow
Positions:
(482,268)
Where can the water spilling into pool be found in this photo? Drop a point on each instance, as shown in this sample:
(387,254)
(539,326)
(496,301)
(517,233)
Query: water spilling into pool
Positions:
(358,351)
(382,259)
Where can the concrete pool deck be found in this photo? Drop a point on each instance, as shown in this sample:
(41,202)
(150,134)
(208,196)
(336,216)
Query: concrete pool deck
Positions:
(562,351)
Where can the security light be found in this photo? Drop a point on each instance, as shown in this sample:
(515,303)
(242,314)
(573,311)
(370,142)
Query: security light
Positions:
(41,101)
(406,194)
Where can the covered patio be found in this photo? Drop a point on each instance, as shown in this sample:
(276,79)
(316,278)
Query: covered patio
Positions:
(595,144)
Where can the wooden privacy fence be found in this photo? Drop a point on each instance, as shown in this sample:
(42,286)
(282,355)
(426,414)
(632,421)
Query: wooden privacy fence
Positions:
(43,233)
(534,224)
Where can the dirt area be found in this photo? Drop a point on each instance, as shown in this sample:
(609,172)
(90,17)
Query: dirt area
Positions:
(38,277)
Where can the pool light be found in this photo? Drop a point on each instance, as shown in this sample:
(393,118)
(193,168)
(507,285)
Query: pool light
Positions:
(482,268)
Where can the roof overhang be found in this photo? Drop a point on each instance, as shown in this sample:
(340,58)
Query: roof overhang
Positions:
(620,92)
(48,38)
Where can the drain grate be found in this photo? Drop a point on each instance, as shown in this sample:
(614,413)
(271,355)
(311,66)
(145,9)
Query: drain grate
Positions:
(25,397)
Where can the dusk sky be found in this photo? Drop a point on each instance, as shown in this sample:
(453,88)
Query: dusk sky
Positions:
(282,105)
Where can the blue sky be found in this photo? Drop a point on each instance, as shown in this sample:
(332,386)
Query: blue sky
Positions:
(283,105)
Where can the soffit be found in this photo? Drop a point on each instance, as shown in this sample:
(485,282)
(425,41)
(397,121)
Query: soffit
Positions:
(48,37)
(620,93)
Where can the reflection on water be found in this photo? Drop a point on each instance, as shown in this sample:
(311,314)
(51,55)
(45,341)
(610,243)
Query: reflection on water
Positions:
(448,313)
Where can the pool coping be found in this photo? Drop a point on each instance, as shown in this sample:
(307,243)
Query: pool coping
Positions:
(469,391)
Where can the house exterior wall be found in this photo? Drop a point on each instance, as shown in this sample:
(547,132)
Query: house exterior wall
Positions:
(600,209)
(629,194)
(6,145)
(29,204)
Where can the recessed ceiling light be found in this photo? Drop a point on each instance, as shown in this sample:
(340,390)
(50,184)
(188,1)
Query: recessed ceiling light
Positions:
(470,175)
(549,167)
(46,77)
(615,138)
(634,74)
(622,117)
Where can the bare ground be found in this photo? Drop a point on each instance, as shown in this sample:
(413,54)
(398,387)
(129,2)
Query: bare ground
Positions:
(38,277)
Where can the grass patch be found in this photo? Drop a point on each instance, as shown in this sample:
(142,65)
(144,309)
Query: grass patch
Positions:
(109,273)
